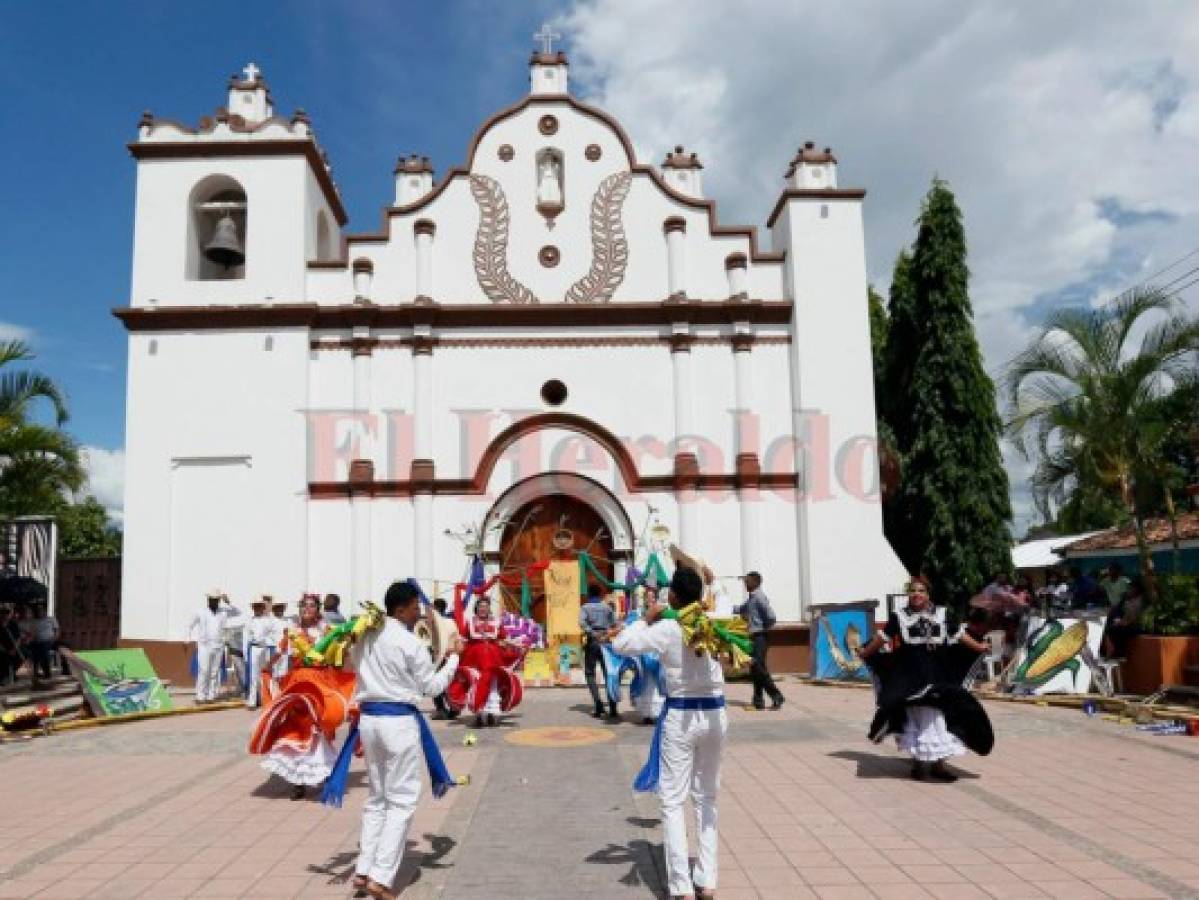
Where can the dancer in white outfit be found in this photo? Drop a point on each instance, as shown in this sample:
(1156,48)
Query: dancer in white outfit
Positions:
(261,641)
(394,673)
(689,740)
(207,633)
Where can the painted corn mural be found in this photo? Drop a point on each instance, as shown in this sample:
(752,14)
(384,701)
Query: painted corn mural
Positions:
(1057,657)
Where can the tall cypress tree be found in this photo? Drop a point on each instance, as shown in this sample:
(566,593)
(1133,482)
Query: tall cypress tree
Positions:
(950,514)
(893,399)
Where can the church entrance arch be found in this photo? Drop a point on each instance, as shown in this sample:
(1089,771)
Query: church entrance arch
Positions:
(532,520)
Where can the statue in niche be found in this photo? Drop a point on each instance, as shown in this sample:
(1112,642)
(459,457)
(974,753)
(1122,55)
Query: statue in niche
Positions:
(549,185)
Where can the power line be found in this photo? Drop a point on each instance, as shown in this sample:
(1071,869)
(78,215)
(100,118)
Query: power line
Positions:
(1167,268)
(1183,277)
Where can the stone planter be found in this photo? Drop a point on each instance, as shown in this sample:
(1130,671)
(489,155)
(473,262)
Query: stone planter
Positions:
(1155,660)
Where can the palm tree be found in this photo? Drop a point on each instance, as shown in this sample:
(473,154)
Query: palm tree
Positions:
(37,462)
(1099,410)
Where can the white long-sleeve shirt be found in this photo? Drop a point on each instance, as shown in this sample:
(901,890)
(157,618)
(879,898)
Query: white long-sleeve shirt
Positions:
(207,627)
(261,630)
(393,665)
(685,673)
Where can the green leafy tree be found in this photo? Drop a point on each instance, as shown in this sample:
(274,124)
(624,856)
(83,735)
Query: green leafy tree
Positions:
(1098,409)
(949,518)
(38,463)
(84,530)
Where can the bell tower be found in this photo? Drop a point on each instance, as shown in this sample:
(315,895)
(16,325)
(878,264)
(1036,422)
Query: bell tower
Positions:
(231,210)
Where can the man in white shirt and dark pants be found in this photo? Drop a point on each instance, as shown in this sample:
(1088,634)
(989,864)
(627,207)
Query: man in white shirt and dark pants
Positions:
(688,744)
(260,643)
(394,673)
(207,633)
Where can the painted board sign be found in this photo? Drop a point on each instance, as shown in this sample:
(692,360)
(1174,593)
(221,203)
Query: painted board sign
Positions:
(838,634)
(1057,656)
(118,682)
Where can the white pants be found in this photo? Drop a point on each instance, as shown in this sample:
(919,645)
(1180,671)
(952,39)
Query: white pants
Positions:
(692,746)
(649,701)
(393,761)
(926,737)
(255,663)
(208,656)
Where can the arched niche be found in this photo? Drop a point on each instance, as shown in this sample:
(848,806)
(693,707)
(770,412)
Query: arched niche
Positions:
(214,203)
(591,493)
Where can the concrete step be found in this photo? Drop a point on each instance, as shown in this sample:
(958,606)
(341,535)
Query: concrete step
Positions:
(25,685)
(30,698)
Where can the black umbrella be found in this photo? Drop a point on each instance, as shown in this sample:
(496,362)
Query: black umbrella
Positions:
(22,589)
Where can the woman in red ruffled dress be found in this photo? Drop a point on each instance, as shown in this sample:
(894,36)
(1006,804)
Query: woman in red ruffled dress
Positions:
(295,733)
(486,681)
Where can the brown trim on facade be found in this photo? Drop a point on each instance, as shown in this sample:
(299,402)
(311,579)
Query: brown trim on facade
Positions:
(362,264)
(424,226)
(737,341)
(745,231)
(744,342)
(214,149)
(685,474)
(735,261)
(812,194)
(467,315)
(674,223)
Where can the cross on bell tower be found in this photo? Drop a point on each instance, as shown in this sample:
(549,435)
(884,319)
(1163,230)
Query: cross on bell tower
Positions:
(547,68)
(547,36)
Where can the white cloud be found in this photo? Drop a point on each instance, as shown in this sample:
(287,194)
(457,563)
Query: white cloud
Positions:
(106,479)
(11,332)
(1044,119)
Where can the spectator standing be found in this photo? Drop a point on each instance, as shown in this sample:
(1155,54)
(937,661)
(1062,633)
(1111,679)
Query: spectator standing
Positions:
(332,613)
(12,657)
(1123,622)
(760,618)
(43,638)
(1115,585)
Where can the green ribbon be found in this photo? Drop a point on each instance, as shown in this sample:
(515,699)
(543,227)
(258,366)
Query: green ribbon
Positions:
(526,596)
(654,567)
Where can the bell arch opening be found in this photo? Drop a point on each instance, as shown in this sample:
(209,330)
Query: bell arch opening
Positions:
(217,214)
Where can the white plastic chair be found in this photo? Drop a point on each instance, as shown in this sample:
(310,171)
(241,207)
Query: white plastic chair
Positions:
(993,659)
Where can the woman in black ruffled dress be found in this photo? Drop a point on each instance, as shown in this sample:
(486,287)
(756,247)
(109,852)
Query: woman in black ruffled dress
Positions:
(920,698)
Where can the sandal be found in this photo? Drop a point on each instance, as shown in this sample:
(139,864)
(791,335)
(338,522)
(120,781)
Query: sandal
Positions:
(379,892)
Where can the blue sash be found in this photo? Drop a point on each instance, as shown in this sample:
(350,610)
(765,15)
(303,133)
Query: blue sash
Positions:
(335,785)
(647,778)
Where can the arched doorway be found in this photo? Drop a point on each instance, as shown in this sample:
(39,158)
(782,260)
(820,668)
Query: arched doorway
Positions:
(529,538)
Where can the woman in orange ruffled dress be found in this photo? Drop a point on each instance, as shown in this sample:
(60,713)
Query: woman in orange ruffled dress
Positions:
(486,681)
(295,733)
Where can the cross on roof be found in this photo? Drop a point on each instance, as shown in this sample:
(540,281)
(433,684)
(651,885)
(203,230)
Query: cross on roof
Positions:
(547,36)
(251,72)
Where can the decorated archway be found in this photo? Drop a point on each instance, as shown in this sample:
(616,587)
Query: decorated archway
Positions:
(555,516)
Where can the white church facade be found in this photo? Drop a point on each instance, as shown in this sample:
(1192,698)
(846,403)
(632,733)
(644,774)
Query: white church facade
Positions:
(550,336)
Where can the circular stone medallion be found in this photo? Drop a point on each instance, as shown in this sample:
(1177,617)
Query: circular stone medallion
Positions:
(559,736)
(549,256)
(506,152)
(547,124)
(593,152)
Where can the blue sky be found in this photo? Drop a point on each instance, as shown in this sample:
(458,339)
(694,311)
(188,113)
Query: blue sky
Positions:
(1068,132)
(372,92)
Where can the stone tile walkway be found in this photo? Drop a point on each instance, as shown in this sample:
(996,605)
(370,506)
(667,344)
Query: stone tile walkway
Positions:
(1066,807)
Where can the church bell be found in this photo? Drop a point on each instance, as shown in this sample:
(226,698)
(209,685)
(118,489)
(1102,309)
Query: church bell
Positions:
(225,249)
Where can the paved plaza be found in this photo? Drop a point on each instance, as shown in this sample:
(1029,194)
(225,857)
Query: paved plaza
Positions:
(1066,807)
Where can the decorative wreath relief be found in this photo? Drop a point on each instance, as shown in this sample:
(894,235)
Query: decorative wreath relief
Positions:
(609,248)
(491,244)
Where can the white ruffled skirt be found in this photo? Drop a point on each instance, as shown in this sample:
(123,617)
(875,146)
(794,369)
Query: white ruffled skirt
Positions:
(309,765)
(926,738)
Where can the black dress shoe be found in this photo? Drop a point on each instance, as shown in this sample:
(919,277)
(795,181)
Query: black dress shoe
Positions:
(777,703)
(919,770)
(597,713)
(942,772)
